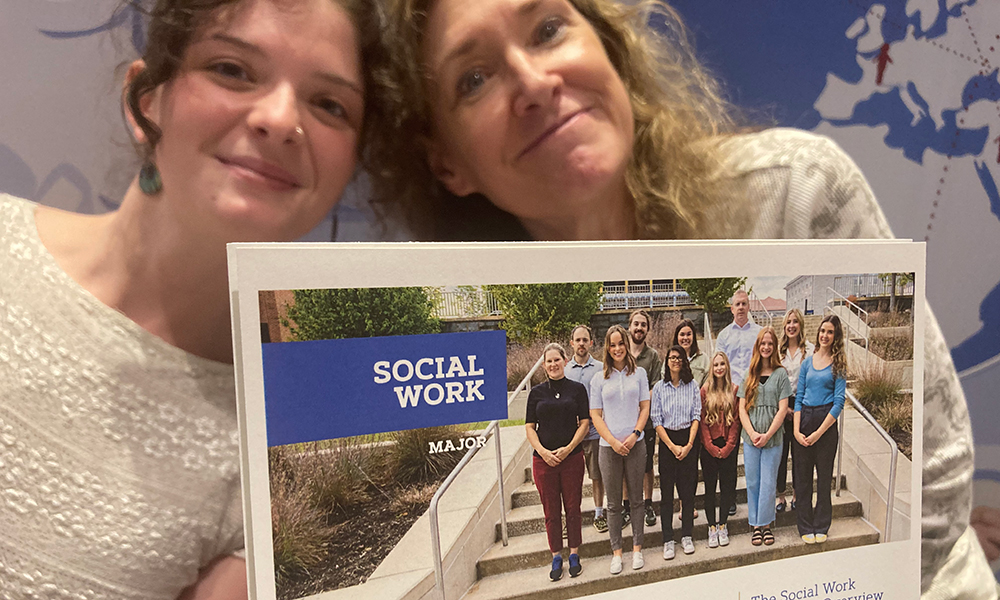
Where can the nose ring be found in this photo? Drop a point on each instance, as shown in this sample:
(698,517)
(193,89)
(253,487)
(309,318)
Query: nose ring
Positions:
(299,131)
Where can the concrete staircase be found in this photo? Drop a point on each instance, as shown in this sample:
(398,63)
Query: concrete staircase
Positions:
(520,570)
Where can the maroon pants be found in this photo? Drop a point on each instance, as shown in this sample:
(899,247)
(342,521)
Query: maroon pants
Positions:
(558,487)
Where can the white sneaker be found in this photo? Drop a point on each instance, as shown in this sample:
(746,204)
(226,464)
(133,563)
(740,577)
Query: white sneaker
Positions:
(713,537)
(687,544)
(668,550)
(723,535)
(637,561)
(616,564)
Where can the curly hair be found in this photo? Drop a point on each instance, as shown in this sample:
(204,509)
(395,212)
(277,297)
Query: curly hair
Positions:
(837,349)
(173,24)
(679,116)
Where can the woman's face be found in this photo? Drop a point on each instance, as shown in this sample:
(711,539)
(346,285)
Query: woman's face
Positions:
(674,363)
(792,327)
(526,107)
(617,348)
(719,367)
(684,338)
(766,346)
(260,123)
(826,335)
(555,364)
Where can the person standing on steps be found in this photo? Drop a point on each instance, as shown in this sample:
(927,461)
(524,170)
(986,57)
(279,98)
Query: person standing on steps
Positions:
(736,340)
(720,431)
(581,369)
(818,402)
(763,401)
(676,411)
(794,349)
(685,337)
(556,420)
(639,324)
(619,408)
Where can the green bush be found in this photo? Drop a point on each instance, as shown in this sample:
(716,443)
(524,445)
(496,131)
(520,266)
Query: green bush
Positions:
(355,313)
(410,459)
(545,310)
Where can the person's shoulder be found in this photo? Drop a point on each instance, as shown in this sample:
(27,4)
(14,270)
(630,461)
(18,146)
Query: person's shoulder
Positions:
(780,147)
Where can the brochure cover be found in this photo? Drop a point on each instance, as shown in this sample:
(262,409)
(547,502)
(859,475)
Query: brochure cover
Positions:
(463,420)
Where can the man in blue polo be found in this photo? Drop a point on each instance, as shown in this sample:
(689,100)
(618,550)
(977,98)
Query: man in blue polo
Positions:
(581,368)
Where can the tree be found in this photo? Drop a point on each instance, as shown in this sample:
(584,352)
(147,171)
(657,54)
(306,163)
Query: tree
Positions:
(364,312)
(712,293)
(545,310)
(895,279)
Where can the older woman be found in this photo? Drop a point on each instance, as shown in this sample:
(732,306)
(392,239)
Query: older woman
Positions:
(570,119)
(118,410)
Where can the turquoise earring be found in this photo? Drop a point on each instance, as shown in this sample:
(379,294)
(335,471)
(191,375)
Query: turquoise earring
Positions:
(149,179)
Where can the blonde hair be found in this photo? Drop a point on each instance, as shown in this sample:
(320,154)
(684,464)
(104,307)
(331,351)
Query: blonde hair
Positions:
(757,364)
(800,340)
(719,395)
(679,116)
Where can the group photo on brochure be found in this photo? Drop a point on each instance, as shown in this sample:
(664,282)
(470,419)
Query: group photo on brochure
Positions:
(706,425)
(459,120)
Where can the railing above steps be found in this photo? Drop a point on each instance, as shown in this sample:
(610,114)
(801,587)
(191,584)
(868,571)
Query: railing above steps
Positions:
(494,428)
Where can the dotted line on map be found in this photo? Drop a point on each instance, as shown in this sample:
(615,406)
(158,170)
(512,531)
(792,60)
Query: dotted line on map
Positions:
(975,40)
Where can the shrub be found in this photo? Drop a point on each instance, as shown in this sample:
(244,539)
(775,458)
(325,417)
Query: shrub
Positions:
(897,346)
(877,386)
(299,531)
(520,359)
(889,319)
(661,334)
(896,416)
(366,312)
(410,459)
(337,476)
(544,310)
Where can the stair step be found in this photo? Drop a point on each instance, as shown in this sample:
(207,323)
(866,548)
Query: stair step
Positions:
(526,516)
(535,585)
(531,550)
(656,482)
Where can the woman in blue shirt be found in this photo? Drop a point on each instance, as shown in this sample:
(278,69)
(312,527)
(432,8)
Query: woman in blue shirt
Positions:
(818,402)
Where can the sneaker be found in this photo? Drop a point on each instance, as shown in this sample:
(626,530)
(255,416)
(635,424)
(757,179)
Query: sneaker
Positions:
(809,538)
(626,518)
(687,544)
(732,510)
(723,535)
(713,537)
(668,550)
(650,516)
(616,564)
(575,568)
(637,561)
(556,573)
(601,523)
(820,538)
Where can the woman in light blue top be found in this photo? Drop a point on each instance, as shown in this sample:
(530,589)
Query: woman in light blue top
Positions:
(619,407)
(676,410)
(763,401)
(818,402)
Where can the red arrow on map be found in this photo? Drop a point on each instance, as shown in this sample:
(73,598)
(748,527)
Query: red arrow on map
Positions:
(882,59)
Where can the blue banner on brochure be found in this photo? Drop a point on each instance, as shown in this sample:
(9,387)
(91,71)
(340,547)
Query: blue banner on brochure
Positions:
(338,388)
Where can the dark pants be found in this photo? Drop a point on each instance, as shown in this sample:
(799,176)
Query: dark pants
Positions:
(649,438)
(558,487)
(683,474)
(786,446)
(820,457)
(722,470)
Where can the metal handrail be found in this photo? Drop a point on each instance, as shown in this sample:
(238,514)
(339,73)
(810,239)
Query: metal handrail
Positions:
(432,511)
(751,298)
(866,335)
(891,487)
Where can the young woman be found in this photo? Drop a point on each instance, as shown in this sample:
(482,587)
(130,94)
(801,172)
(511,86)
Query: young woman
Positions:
(685,338)
(763,401)
(557,419)
(676,411)
(720,430)
(793,350)
(574,119)
(619,407)
(119,385)
(820,398)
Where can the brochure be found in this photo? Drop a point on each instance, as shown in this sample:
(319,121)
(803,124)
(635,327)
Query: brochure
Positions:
(414,419)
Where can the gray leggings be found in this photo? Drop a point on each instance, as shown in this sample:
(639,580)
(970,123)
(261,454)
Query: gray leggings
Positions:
(613,467)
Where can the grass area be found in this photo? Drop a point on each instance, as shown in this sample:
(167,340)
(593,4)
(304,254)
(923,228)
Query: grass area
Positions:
(879,390)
